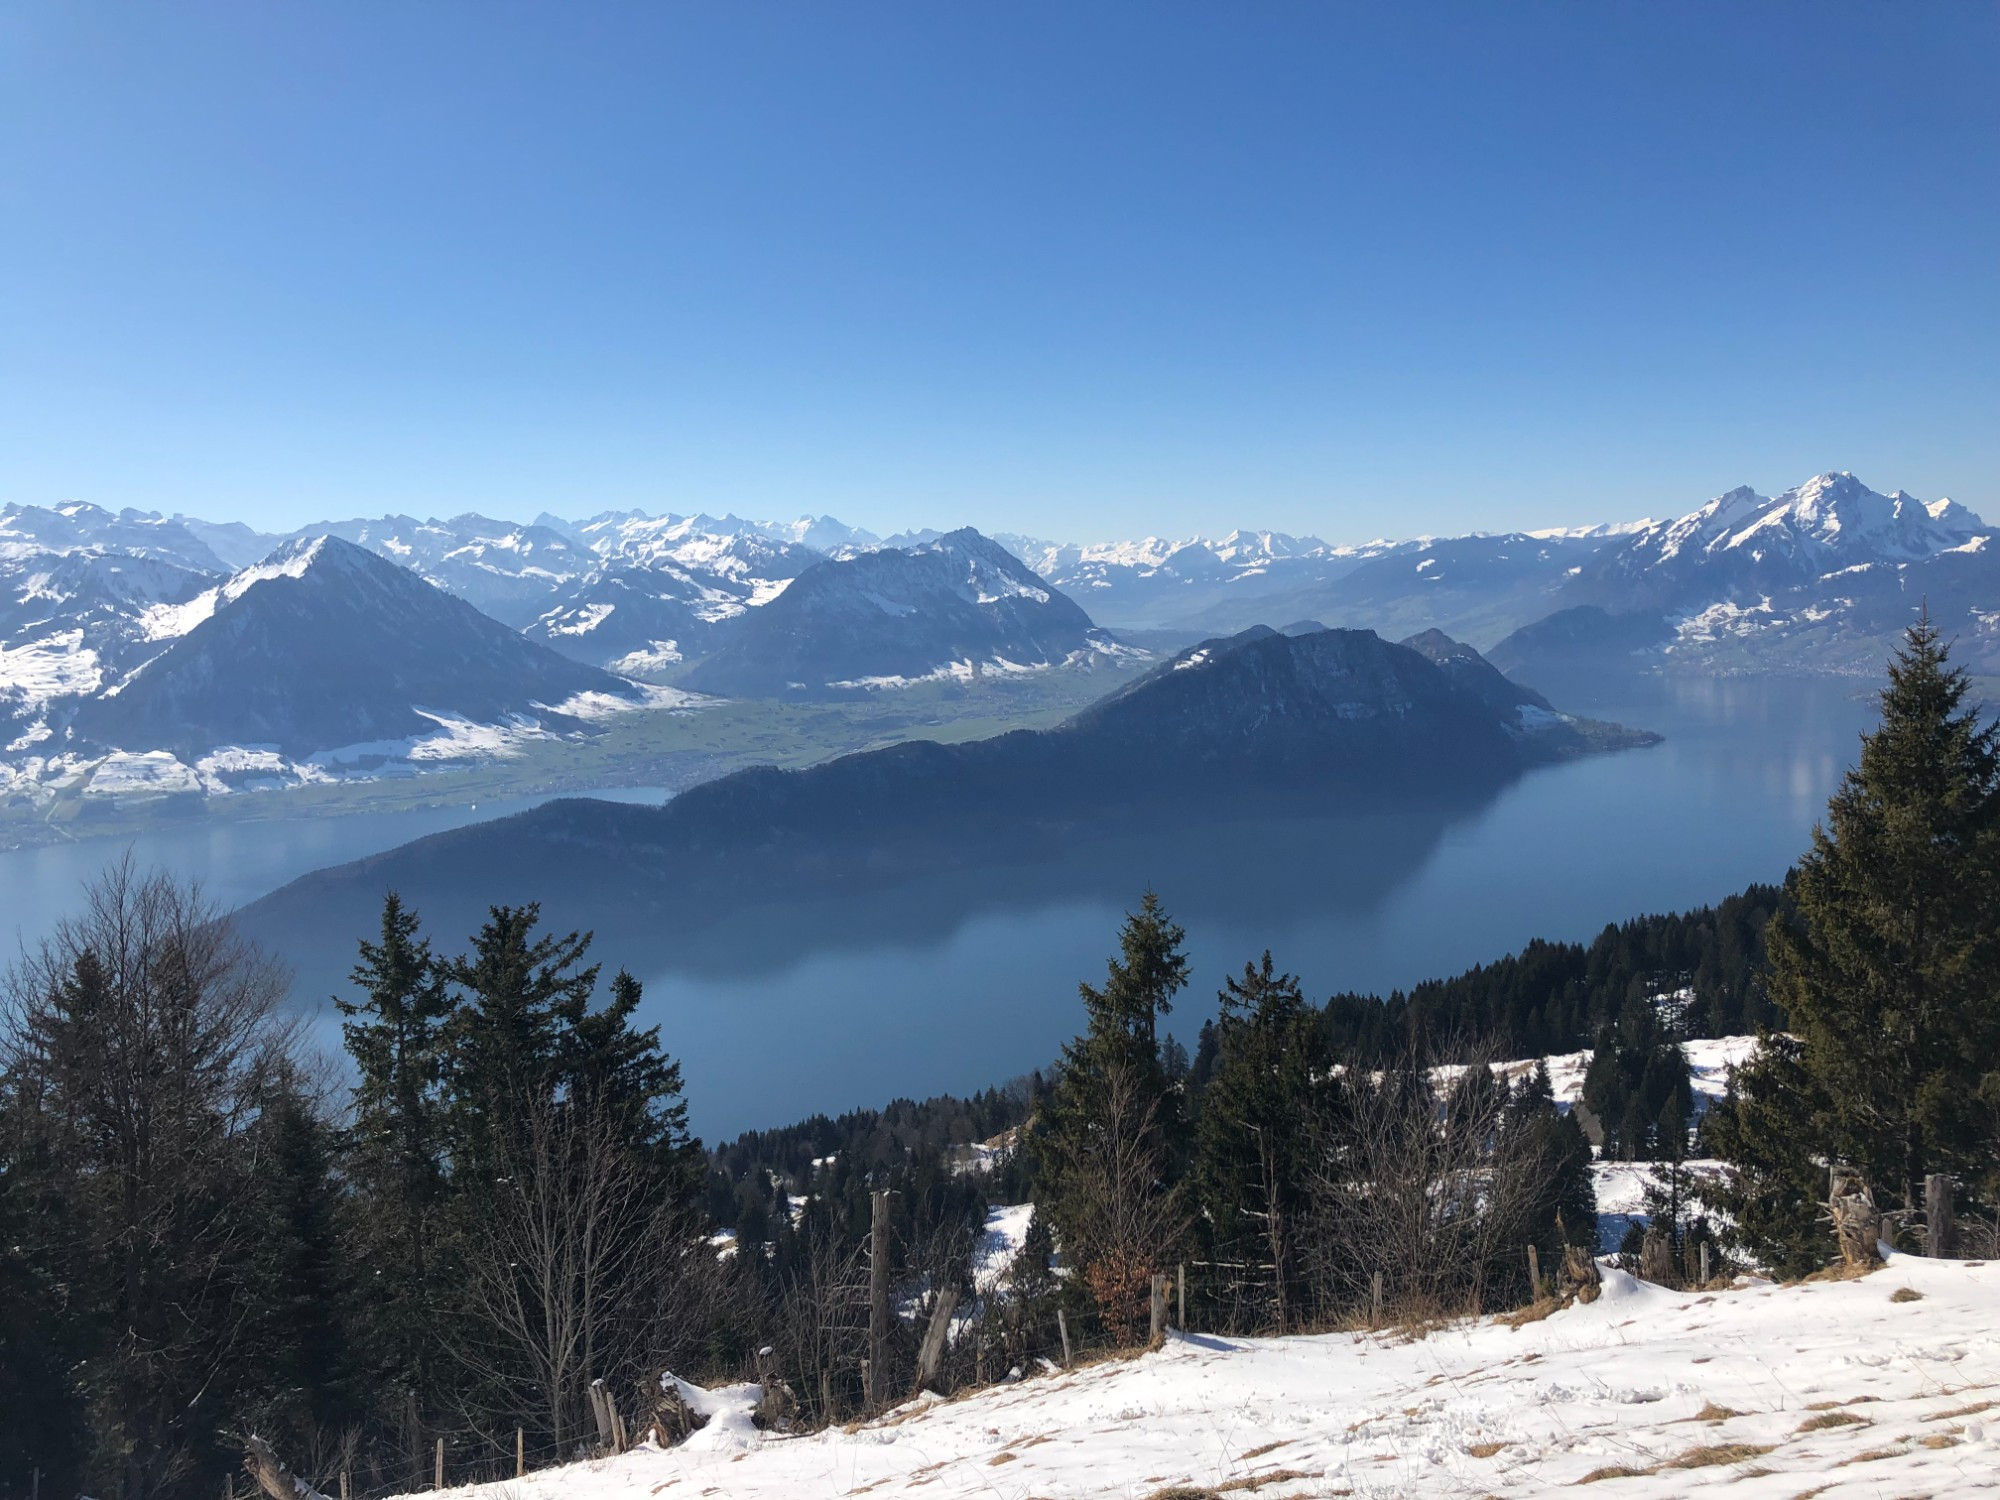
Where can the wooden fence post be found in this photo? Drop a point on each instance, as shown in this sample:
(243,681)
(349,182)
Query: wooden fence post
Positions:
(343,1484)
(520,1458)
(438,1475)
(1937,1215)
(1182,1323)
(1062,1327)
(1704,1263)
(1534,1273)
(1375,1300)
(878,1298)
(1158,1308)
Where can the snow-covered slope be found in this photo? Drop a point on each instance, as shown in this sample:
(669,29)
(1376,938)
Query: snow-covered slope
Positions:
(1836,1389)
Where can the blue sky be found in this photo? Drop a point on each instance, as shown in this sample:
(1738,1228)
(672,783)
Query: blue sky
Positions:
(1081,270)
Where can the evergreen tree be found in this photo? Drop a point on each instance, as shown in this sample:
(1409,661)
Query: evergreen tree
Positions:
(1111,1130)
(1889,971)
(521,1001)
(1771,1190)
(395,1034)
(297,1380)
(1271,1086)
(1141,982)
(1637,1084)
(1565,1208)
(621,1069)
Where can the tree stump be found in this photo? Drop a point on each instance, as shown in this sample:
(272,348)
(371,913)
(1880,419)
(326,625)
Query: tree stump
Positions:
(1580,1276)
(272,1477)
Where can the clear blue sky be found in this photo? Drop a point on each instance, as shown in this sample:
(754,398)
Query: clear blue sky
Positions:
(1085,269)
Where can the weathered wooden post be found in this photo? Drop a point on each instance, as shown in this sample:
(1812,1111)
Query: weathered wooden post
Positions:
(438,1475)
(1158,1308)
(1705,1276)
(1062,1327)
(1937,1215)
(520,1459)
(1181,1322)
(600,1413)
(1656,1259)
(931,1354)
(343,1484)
(1375,1300)
(1534,1273)
(878,1298)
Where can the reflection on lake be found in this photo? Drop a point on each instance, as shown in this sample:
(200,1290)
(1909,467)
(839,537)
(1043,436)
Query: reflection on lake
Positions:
(966,979)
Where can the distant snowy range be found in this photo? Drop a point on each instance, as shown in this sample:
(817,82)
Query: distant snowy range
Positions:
(144,655)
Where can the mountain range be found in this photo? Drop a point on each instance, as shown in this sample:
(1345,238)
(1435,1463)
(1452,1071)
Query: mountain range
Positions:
(1819,578)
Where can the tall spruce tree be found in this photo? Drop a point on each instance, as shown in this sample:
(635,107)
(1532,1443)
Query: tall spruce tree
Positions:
(1769,1194)
(1272,1085)
(1111,1134)
(1889,971)
(521,1001)
(395,1034)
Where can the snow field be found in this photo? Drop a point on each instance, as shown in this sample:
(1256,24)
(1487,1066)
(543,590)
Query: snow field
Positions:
(1835,1389)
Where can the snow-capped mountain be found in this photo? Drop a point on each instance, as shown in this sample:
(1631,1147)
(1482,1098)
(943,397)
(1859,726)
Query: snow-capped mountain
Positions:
(325,645)
(1823,577)
(502,568)
(958,605)
(1742,545)
(28,531)
(1223,583)
(72,623)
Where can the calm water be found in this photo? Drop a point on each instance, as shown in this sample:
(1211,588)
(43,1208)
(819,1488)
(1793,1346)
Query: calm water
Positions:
(965,981)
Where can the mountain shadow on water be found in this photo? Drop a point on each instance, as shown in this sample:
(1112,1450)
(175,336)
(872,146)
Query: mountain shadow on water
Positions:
(1222,750)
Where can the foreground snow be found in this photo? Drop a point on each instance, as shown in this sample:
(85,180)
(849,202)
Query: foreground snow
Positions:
(1834,1389)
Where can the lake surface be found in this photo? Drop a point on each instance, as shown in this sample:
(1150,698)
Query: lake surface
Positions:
(967,980)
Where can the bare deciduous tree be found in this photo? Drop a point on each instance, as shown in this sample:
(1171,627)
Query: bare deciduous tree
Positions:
(1122,1218)
(576,1256)
(1437,1197)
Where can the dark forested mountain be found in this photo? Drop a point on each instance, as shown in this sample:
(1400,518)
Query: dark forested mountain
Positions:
(324,644)
(1308,724)
(961,603)
(1584,641)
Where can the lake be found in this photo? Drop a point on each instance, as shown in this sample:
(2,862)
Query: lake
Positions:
(967,980)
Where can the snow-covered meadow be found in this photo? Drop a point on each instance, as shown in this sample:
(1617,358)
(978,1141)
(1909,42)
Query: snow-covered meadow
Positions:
(1888,1385)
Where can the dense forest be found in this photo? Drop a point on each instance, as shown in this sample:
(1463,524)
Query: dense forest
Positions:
(451,1246)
